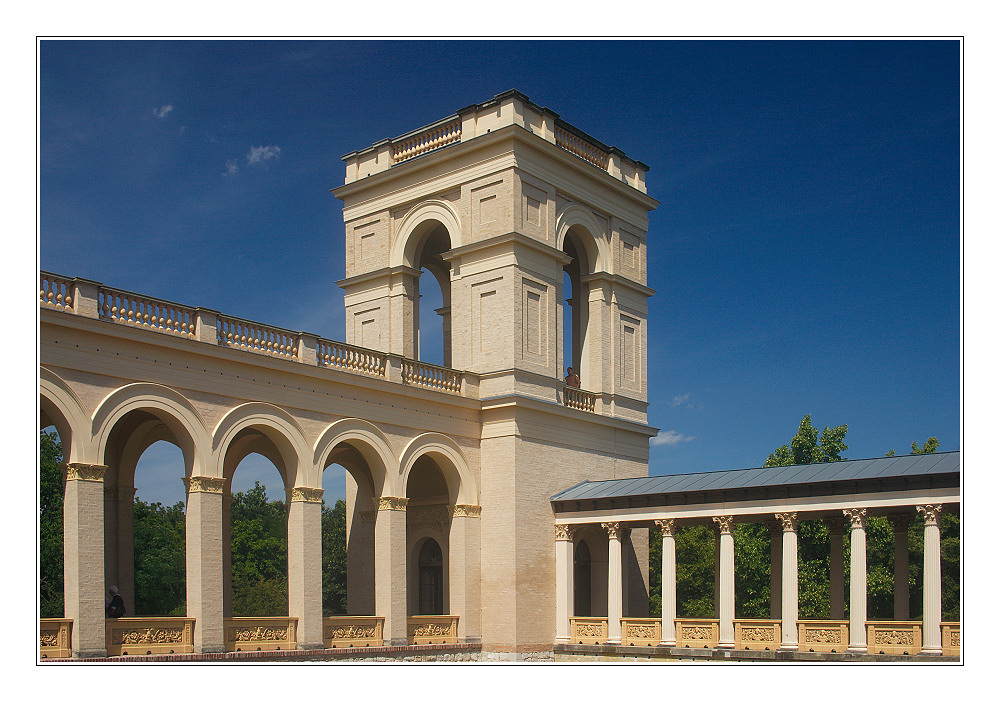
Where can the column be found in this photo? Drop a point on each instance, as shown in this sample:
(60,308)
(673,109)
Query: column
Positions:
(564,580)
(305,559)
(901,568)
(390,569)
(858,638)
(404,325)
(668,584)
(83,558)
(616,531)
(227,555)
(464,571)
(789,580)
(203,557)
(932,579)
(445,314)
(775,530)
(836,568)
(716,584)
(125,504)
(727,582)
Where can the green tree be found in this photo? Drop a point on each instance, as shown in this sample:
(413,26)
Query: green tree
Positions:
(159,560)
(259,540)
(804,447)
(335,559)
(50,524)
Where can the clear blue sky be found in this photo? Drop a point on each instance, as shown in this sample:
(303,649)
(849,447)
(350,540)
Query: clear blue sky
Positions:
(805,255)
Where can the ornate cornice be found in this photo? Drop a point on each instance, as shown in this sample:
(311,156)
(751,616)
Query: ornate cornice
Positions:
(666,527)
(858,517)
(931,514)
(725,524)
(202,483)
(305,494)
(789,520)
(616,530)
(119,492)
(467,511)
(85,471)
(397,504)
(565,532)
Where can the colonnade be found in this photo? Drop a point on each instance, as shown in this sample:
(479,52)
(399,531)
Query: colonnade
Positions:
(784,577)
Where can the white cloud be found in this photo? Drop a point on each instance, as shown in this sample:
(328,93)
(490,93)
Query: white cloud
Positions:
(231,167)
(262,153)
(669,438)
(680,400)
(162,112)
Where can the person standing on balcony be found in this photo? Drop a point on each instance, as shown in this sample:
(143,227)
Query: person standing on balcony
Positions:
(572,379)
(114,605)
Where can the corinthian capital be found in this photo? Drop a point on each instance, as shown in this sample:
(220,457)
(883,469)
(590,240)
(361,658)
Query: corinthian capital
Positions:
(725,524)
(305,494)
(789,520)
(200,483)
(565,532)
(930,513)
(666,527)
(397,504)
(616,530)
(858,517)
(85,471)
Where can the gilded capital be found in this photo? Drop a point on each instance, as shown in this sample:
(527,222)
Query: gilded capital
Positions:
(789,520)
(616,530)
(305,494)
(930,513)
(201,483)
(858,516)
(85,471)
(666,527)
(466,511)
(725,524)
(397,504)
(565,532)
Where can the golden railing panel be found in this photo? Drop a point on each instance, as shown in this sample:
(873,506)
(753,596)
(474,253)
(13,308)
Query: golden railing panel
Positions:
(55,638)
(951,638)
(428,629)
(141,636)
(894,638)
(641,631)
(697,633)
(588,630)
(757,634)
(352,632)
(260,633)
(823,635)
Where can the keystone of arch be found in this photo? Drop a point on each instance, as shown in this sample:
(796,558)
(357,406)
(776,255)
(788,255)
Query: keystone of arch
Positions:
(167,404)
(279,426)
(373,446)
(404,245)
(455,469)
(597,246)
(71,421)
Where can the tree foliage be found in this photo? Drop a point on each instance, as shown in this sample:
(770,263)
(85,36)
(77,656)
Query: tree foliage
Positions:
(804,447)
(335,559)
(159,560)
(50,525)
(259,541)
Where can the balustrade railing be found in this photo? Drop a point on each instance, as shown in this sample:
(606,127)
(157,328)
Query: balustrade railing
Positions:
(146,312)
(578,146)
(143,636)
(352,632)
(432,138)
(260,633)
(55,638)
(431,376)
(429,629)
(334,354)
(641,631)
(588,630)
(579,399)
(55,291)
(757,634)
(260,338)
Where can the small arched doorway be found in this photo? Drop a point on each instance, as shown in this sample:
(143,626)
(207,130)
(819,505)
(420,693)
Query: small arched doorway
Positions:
(430,579)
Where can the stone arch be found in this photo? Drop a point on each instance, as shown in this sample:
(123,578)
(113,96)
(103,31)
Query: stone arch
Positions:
(61,406)
(415,223)
(169,406)
(373,446)
(597,543)
(277,425)
(451,461)
(596,245)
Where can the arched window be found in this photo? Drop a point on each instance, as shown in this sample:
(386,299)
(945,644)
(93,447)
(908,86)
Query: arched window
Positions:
(581,580)
(430,579)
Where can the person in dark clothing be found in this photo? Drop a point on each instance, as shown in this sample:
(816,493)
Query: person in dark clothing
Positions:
(114,606)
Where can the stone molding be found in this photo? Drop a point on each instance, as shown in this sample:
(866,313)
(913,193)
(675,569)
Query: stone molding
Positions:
(85,471)
(397,504)
(858,517)
(789,520)
(305,494)
(725,524)
(565,532)
(616,530)
(201,483)
(119,492)
(667,527)
(931,514)
(467,511)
